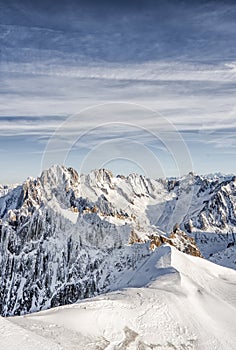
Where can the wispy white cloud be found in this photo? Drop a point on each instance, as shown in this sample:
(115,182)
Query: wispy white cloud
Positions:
(150,72)
(185,103)
(180,67)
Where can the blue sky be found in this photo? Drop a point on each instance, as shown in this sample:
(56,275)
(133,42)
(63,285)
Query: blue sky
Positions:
(143,86)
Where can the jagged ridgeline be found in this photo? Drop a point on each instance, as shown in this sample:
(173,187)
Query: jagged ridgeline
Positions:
(66,237)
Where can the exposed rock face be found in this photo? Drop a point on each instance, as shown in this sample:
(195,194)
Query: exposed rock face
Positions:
(179,240)
(46,262)
(219,212)
(65,236)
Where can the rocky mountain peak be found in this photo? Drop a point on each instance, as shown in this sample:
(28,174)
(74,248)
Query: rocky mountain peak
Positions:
(66,236)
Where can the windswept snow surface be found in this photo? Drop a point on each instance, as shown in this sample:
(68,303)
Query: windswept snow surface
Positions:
(173,301)
(66,236)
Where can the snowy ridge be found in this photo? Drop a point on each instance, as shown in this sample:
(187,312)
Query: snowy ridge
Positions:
(173,301)
(65,237)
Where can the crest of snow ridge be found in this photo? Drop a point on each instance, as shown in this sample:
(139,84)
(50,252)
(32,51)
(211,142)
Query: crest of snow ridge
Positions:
(66,236)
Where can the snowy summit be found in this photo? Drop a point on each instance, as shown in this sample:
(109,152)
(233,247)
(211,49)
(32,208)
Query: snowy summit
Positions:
(138,246)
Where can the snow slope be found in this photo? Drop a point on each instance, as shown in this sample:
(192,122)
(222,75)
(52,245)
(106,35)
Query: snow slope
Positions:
(173,301)
(66,237)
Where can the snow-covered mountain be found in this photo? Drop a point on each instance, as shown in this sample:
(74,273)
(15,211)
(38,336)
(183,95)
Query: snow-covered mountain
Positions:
(173,301)
(66,237)
(4,189)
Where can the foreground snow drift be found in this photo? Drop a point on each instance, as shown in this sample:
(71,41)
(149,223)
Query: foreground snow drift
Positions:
(173,301)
